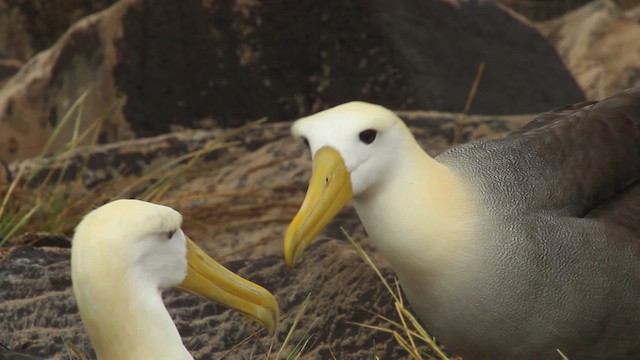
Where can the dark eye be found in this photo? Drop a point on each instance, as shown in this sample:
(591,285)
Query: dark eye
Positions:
(368,136)
(170,234)
(306,142)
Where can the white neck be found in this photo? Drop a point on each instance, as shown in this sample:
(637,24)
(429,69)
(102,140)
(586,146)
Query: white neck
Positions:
(420,218)
(131,323)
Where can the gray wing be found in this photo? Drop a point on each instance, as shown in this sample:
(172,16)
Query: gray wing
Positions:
(622,209)
(561,242)
(570,160)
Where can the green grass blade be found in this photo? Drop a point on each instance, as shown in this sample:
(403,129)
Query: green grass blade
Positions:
(296,320)
(23,220)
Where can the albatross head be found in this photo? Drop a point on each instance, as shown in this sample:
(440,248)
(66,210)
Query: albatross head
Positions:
(355,146)
(127,251)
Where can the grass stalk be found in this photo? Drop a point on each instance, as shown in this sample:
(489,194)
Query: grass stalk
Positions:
(67,116)
(56,203)
(474,89)
(293,327)
(412,329)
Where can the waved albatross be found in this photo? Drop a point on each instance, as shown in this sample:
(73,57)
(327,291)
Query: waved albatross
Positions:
(123,255)
(505,249)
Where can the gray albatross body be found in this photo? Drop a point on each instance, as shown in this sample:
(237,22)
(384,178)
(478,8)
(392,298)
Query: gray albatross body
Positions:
(561,266)
(505,249)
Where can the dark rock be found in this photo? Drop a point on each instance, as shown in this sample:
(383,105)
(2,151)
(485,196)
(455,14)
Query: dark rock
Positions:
(239,61)
(8,354)
(27,27)
(42,239)
(440,47)
(147,67)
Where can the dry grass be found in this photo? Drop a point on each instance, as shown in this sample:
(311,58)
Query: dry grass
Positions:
(474,89)
(56,206)
(283,353)
(407,330)
(73,352)
(299,348)
(40,208)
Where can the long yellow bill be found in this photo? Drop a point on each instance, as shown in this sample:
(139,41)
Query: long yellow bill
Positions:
(329,190)
(207,278)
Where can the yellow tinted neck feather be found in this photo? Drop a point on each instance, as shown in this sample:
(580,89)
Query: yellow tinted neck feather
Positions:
(422,196)
(131,322)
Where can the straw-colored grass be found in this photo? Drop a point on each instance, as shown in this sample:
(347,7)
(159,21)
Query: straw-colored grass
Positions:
(299,348)
(56,206)
(407,330)
(73,352)
(30,207)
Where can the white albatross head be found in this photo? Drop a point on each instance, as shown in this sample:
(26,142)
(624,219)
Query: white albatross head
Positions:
(354,146)
(366,136)
(123,255)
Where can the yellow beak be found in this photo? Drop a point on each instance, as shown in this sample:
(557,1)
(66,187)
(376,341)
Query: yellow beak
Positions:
(329,190)
(207,278)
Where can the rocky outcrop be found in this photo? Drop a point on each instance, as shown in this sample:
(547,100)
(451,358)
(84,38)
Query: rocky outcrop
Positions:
(42,94)
(146,67)
(600,44)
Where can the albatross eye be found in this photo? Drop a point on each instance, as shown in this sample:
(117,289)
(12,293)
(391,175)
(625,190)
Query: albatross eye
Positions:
(306,142)
(367,136)
(170,234)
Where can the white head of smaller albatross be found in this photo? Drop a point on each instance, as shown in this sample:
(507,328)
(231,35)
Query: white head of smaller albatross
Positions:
(124,254)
